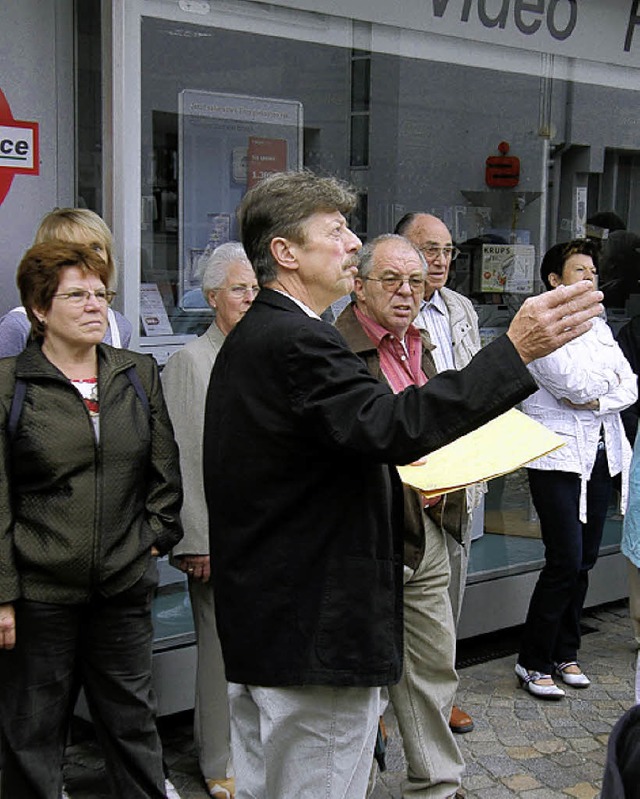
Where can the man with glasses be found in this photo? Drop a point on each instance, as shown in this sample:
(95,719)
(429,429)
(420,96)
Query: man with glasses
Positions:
(378,327)
(452,324)
(305,504)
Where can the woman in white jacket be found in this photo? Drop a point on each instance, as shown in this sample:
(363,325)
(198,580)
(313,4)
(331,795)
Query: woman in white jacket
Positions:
(583,386)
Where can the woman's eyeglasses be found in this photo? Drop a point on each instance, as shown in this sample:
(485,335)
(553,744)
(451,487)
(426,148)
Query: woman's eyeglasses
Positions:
(81,296)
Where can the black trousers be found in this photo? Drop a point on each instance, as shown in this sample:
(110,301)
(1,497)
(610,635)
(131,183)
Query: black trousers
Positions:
(105,645)
(552,627)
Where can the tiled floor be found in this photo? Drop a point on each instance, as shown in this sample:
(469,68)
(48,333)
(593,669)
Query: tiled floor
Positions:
(521,747)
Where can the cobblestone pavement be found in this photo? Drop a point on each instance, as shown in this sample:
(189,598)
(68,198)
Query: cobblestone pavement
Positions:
(520,747)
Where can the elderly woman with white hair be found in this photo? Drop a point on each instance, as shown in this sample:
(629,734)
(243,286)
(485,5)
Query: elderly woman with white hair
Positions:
(229,286)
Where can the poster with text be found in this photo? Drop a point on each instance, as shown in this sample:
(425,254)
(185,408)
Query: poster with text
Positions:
(227,143)
(507,268)
(265,157)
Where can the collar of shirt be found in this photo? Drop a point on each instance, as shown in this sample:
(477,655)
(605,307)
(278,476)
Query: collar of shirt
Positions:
(299,303)
(436,303)
(434,318)
(400,361)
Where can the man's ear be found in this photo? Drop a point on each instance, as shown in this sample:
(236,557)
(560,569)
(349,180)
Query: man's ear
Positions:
(555,279)
(358,288)
(283,252)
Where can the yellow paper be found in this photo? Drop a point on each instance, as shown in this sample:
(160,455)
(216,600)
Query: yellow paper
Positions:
(498,447)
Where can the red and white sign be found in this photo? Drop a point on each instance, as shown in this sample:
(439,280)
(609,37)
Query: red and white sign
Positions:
(265,157)
(502,171)
(19,150)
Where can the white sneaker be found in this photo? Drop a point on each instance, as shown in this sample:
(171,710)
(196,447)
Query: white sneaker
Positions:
(170,790)
(64,794)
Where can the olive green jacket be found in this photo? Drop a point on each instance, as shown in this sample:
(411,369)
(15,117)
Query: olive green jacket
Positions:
(78,515)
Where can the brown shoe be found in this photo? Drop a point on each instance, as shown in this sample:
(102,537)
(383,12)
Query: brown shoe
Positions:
(460,721)
(221,789)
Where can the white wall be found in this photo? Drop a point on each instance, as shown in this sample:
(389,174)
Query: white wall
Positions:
(36,76)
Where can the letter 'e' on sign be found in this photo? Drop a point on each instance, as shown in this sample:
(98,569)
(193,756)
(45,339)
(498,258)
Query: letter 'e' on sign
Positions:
(502,171)
(19,151)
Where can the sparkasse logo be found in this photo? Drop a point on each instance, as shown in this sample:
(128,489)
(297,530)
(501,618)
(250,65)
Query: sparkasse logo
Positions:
(19,151)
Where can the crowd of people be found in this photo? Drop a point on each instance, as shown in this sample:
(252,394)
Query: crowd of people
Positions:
(321,587)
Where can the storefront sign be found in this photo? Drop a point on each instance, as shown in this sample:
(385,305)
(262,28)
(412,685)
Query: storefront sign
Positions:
(19,153)
(502,171)
(604,32)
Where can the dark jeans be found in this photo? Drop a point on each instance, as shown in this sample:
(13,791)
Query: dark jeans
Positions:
(552,628)
(104,644)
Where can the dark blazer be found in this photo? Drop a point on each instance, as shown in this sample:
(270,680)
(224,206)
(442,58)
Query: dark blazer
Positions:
(305,507)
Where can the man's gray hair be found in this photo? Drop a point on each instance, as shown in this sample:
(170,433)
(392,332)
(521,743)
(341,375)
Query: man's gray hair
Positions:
(366,254)
(213,265)
(279,206)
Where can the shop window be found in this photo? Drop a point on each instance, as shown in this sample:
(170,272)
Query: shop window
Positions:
(359,216)
(360,101)
(360,88)
(359,140)
(412,134)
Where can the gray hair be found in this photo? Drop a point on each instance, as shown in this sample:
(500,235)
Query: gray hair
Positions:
(366,254)
(214,264)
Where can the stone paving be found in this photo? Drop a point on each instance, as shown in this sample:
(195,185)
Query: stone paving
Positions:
(520,747)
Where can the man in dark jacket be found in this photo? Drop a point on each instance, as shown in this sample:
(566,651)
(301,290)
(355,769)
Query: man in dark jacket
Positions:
(305,505)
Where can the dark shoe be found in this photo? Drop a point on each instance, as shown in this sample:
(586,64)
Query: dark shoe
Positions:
(460,721)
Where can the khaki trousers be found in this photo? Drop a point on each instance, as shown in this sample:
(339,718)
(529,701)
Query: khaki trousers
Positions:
(423,698)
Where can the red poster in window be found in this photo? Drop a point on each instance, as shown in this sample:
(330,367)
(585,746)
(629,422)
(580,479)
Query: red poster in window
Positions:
(264,157)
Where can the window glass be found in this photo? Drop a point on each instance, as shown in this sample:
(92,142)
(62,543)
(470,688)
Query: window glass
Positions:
(89,106)
(360,81)
(512,159)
